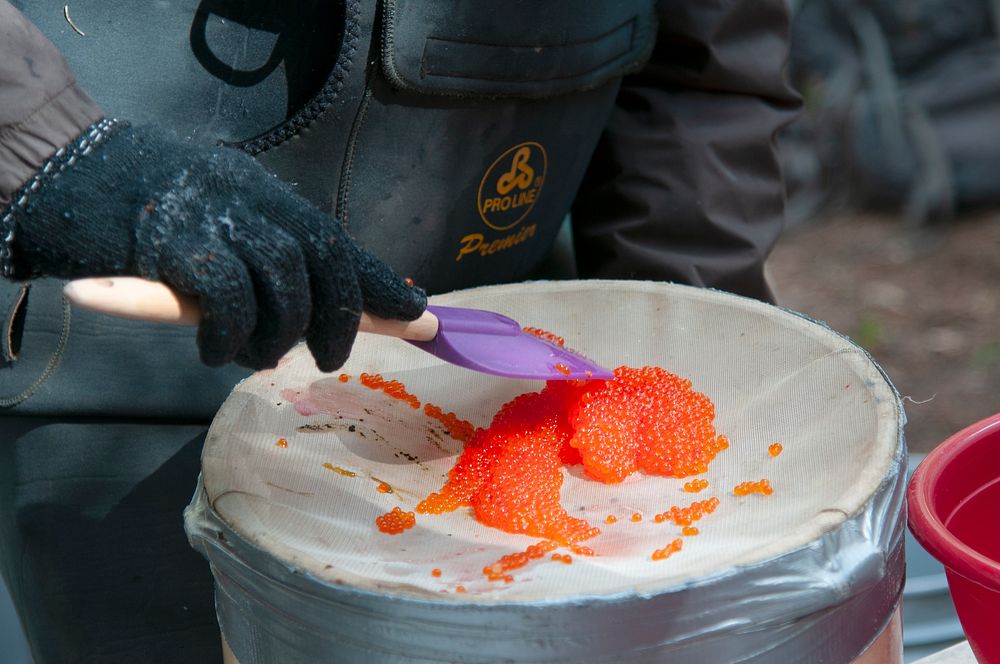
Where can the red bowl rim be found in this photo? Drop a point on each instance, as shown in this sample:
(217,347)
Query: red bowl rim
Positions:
(924,523)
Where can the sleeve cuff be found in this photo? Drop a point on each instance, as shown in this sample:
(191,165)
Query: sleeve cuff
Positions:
(24,147)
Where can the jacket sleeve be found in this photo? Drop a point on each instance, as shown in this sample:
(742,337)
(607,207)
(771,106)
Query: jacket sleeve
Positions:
(41,106)
(685,184)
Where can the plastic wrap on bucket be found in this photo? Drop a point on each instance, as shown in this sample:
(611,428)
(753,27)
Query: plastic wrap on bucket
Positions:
(292,467)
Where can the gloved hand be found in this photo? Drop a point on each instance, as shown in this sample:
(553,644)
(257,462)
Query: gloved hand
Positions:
(265,264)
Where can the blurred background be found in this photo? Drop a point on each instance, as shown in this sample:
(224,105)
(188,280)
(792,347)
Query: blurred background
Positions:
(893,234)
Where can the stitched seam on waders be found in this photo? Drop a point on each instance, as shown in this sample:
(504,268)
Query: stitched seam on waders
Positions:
(63,158)
(10,402)
(345,174)
(318,105)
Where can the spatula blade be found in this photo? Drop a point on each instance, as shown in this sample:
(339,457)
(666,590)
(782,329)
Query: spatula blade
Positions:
(495,344)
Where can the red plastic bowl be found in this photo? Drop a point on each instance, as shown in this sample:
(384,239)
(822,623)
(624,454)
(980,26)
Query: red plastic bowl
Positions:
(954,512)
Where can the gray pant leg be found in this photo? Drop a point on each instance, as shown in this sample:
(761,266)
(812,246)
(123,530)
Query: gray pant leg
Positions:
(101,428)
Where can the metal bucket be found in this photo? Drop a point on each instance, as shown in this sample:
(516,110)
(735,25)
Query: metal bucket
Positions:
(812,573)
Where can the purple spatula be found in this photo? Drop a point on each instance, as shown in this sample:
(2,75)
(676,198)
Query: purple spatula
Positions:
(471,338)
(494,344)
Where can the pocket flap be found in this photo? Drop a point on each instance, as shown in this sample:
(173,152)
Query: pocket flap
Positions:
(517,48)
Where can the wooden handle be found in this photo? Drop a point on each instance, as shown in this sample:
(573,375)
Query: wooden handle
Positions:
(139,299)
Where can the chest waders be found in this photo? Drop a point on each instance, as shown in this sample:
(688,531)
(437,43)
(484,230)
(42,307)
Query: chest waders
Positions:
(449,136)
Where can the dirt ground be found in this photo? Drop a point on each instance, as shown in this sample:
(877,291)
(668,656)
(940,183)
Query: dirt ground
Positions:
(925,304)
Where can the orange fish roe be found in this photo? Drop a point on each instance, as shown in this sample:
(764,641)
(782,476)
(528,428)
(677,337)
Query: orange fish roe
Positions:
(561,368)
(458,428)
(581,550)
(774,449)
(689,530)
(393,388)
(685,516)
(343,378)
(668,550)
(281,443)
(498,570)
(510,472)
(383,487)
(339,470)
(460,589)
(564,559)
(645,419)
(396,521)
(694,486)
(548,336)
(762,487)
(408,281)
(611,519)
(436,572)
(637,517)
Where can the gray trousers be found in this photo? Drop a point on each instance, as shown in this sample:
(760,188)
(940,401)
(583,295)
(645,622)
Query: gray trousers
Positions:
(101,427)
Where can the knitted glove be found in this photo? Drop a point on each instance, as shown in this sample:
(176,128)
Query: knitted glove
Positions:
(211,222)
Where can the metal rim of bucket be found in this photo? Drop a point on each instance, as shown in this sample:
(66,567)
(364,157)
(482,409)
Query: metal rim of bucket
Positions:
(925,524)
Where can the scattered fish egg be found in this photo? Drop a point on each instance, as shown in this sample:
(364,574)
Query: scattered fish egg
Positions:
(392,388)
(762,487)
(547,336)
(396,521)
(694,486)
(498,570)
(458,428)
(668,550)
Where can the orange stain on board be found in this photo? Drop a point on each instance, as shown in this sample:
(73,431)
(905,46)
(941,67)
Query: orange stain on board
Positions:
(339,470)
(396,521)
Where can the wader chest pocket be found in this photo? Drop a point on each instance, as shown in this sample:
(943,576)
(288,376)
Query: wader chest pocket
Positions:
(518,48)
(476,129)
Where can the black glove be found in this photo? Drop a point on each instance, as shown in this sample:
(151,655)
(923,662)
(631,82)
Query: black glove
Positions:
(266,265)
